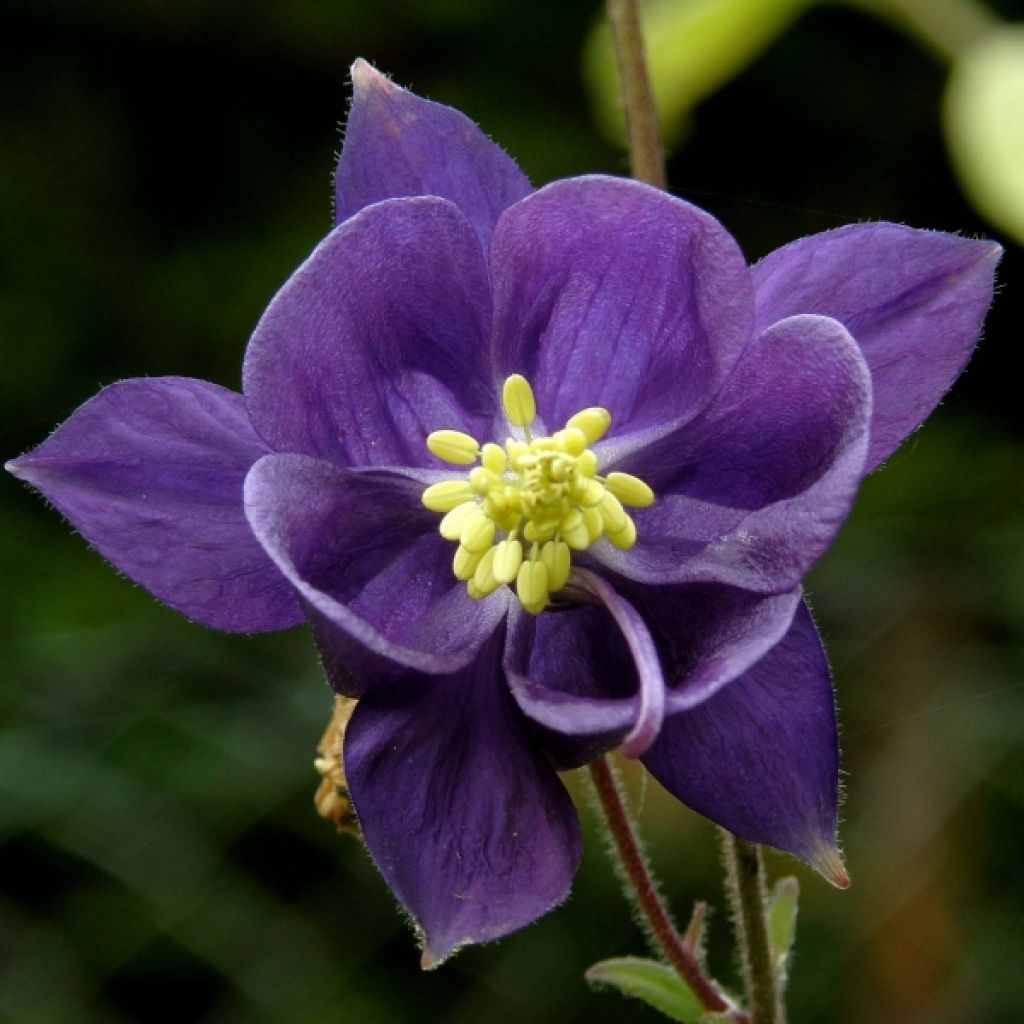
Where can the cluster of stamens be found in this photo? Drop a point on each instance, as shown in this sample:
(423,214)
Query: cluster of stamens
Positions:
(523,508)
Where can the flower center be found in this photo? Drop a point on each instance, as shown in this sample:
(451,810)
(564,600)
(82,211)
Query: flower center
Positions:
(523,508)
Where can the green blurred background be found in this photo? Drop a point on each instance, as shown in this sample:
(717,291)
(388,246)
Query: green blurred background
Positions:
(163,167)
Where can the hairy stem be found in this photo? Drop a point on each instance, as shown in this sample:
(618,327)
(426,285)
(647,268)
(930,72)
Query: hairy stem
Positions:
(744,868)
(643,891)
(646,160)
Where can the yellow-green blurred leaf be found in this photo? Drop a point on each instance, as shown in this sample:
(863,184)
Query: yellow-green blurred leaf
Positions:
(984,119)
(693,48)
(782,912)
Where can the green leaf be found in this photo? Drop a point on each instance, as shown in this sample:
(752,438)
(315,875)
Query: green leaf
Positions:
(653,982)
(693,48)
(984,121)
(782,911)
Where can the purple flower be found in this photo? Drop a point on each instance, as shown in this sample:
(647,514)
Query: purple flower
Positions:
(465,368)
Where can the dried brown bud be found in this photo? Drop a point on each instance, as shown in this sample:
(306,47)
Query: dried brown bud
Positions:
(332,799)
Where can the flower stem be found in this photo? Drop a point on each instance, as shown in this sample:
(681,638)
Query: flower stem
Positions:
(744,868)
(646,160)
(643,890)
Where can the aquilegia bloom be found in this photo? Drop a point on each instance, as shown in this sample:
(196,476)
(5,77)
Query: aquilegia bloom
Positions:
(632,445)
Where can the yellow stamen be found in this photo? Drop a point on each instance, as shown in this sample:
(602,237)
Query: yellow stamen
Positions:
(453,446)
(532,585)
(593,422)
(594,522)
(484,581)
(541,491)
(613,513)
(465,562)
(629,489)
(571,440)
(626,537)
(493,457)
(518,401)
(443,497)
(507,559)
(453,522)
(478,532)
(558,561)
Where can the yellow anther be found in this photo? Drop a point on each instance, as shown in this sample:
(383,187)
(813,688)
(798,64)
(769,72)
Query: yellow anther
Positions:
(532,585)
(508,557)
(625,538)
(493,457)
(571,440)
(518,401)
(509,521)
(454,446)
(483,581)
(593,422)
(558,561)
(543,493)
(586,463)
(574,530)
(590,493)
(577,538)
(452,524)
(444,496)
(629,489)
(482,480)
(614,514)
(477,533)
(465,562)
(540,529)
(594,522)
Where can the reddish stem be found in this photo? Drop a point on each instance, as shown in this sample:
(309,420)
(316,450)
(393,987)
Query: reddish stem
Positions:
(644,891)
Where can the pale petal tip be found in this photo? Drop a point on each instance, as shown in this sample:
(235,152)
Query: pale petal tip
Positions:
(366,77)
(16,468)
(428,961)
(828,862)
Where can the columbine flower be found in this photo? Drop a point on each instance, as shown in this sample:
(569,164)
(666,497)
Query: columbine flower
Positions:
(544,471)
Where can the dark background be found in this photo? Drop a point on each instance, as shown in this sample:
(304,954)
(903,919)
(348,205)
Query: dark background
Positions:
(163,167)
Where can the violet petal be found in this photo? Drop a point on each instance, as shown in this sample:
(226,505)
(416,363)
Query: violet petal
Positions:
(914,301)
(574,676)
(376,340)
(612,293)
(753,491)
(465,819)
(150,472)
(372,572)
(761,758)
(397,144)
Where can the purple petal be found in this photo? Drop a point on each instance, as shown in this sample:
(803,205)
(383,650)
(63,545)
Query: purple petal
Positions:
(761,758)
(573,673)
(370,567)
(376,340)
(609,292)
(753,491)
(150,472)
(465,819)
(914,300)
(650,698)
(397,144)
